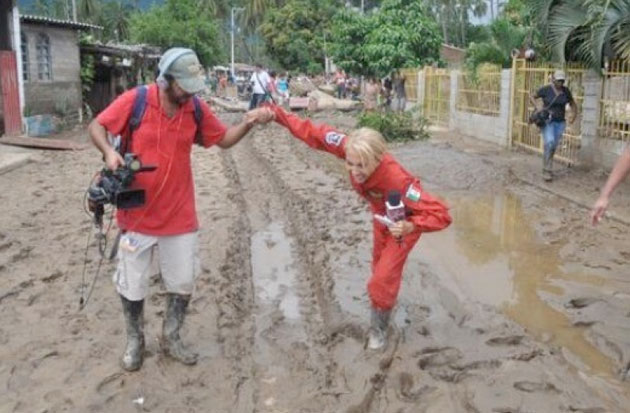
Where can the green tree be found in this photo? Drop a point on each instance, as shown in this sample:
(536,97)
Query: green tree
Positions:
(179,23)
(453,17)
(294,33)
(586,30)
(401,33)
(505,37)
(115,18)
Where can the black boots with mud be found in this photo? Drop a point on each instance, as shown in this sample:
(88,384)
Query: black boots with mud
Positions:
(377,336)
(548,166)
(134,320)
(173,320)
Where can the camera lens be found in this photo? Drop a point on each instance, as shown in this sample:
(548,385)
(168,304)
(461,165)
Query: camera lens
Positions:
(135,165)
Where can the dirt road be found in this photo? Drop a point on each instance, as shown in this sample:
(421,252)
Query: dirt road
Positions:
(519,306)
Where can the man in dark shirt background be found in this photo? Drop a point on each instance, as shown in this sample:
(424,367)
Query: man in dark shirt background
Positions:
(555,98)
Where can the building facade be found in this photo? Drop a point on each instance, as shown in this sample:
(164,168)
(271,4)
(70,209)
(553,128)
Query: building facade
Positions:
(51,65)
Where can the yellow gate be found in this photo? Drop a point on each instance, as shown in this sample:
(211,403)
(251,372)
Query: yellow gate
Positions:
(614,114)
(527,78)
(437,95)
(411,83)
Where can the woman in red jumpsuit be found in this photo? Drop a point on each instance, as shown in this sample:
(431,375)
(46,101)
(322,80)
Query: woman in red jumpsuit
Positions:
(373,174)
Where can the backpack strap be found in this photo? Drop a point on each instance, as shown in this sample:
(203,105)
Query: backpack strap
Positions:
(198,118)
(137,112)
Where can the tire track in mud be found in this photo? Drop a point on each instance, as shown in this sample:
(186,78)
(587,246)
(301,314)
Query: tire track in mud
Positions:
(311,219)
(241,331)
(275,201)
(315,272)
(235,303)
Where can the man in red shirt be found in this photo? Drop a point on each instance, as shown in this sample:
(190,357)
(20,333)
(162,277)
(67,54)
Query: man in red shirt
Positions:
(168,218)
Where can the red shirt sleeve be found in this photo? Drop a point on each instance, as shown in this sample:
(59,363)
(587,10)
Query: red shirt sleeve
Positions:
(115,117)
(212,129)
(322,137)
(427,212)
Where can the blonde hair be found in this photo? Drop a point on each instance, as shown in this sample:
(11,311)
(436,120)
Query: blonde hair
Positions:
(368,143)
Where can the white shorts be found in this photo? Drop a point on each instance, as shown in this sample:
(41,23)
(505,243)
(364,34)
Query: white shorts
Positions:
(178,262)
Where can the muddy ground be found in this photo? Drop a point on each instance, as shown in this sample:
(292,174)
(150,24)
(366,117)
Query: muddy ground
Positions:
(520,306)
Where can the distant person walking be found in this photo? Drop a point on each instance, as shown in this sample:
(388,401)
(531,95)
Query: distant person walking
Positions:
(260,86)
(283,89)
(340,81)
(555,98)
(400,95)
(370,94)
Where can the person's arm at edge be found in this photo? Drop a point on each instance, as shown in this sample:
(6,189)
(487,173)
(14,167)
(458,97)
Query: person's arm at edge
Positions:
(619,172)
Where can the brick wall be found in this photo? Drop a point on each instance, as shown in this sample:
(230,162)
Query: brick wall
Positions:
(41,96)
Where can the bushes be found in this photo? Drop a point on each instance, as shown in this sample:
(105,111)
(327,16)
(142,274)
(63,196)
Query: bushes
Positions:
(396,126)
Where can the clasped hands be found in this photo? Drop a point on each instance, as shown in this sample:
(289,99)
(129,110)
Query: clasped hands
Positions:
(259,116)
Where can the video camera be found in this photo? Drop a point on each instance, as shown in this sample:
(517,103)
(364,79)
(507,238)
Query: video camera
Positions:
(112,187)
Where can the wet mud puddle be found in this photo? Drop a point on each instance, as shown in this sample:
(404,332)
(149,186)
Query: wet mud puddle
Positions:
(273,270)
(278,322)
(492,255)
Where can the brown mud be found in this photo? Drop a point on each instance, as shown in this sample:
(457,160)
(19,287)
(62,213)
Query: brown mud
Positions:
(520,306)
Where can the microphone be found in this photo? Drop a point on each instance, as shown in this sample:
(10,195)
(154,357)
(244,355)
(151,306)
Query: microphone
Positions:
(395,209)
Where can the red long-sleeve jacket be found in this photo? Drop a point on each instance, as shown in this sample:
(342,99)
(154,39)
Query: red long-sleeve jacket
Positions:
(425,211)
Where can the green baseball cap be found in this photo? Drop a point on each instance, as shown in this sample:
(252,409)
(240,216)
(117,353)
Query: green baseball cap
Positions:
(185,68)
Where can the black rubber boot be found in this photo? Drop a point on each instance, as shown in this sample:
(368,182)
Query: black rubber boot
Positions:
(134,320)
(379,321)
(173,321)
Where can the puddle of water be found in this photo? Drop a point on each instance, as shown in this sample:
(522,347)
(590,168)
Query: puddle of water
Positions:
(273,270)
(495,257)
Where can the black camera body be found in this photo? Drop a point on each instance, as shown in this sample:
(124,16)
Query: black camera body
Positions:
(113,187)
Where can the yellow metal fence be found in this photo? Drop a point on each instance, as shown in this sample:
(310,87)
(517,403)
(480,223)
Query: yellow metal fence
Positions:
(614,114)
(481,93)
(527,78)
(437,95)
(411,83)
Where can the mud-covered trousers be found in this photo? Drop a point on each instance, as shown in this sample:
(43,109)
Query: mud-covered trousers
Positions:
(388,259)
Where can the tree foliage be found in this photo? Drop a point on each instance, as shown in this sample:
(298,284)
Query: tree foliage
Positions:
(179,23)
(399,34)
(586,30)
(294,33)
(453,17)
(505,37)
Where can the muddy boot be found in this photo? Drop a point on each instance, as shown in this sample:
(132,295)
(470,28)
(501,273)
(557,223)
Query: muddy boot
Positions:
(173,320)
(134,320)
(547,163)
(377,336)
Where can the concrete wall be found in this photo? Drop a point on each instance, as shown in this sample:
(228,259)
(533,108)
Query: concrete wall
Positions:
(595,152)
(41,96)
(488,128)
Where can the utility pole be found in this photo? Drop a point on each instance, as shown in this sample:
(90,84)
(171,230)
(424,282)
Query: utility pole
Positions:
(233,12)
(74,10)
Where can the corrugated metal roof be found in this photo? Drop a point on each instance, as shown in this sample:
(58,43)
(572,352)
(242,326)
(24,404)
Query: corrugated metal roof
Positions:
(120,48)
(28,18)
